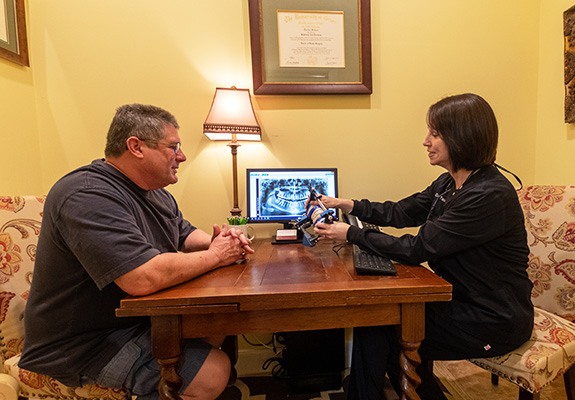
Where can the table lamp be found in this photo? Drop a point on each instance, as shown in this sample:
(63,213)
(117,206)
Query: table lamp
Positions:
(232,118)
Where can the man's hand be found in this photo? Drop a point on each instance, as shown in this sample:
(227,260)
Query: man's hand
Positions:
(244,242)
(216,231)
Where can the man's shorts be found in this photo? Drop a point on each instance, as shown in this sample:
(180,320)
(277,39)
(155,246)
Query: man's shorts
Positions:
(135,368)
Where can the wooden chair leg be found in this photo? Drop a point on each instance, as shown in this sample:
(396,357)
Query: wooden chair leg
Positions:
(494,379)
(430,367)
(569,379)
(525,395)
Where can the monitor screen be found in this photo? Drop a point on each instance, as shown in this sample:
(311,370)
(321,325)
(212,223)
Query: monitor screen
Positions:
(279,194)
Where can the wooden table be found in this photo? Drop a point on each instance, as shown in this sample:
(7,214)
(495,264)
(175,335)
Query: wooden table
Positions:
(288,287)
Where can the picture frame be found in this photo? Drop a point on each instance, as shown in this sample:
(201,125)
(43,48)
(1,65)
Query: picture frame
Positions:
(310,46)
(569,63)
(13,38)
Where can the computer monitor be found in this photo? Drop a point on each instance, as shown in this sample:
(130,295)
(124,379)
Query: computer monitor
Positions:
(279,194)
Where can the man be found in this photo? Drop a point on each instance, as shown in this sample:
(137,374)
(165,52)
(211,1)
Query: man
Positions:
(110,229)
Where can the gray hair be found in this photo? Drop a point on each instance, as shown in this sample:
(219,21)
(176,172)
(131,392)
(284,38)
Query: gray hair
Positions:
(146,122)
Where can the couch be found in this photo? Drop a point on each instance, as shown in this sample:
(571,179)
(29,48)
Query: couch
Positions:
(20,220)
(550,353)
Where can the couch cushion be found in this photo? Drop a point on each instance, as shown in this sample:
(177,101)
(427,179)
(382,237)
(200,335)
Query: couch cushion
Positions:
(550,222)
(20,220)
(42,386)
(546,355)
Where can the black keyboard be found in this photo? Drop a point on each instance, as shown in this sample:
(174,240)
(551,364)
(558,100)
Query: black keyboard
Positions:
(353,220)
(367,225)
(367,263)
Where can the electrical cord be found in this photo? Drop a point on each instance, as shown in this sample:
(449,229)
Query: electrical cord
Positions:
(278,370)
(338,246)
(260,343)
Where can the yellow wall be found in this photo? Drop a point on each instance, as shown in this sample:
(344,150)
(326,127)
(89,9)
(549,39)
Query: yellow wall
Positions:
(19,148)
(555,140)
(88,57)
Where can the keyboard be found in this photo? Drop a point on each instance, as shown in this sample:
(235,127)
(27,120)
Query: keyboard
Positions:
(353,220)
(366,262)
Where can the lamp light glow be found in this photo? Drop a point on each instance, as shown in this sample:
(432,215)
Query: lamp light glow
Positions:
(232,113)
(231,117)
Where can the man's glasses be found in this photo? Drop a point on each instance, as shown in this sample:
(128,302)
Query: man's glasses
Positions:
(176,147)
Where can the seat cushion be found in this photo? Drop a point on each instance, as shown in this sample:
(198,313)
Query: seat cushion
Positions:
(546,355)
(42,386)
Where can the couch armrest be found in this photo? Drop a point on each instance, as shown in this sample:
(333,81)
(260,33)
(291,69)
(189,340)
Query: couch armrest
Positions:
(9,387)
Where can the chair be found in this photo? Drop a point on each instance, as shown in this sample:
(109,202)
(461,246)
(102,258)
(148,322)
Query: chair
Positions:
(550,353)
(20,220)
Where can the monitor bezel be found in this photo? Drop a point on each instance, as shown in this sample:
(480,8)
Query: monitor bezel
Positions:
(287,222)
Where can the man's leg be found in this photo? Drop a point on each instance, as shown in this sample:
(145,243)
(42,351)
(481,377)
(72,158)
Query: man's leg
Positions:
(201,367)
(212,378)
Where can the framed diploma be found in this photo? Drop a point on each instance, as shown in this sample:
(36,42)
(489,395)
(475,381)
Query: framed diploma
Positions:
(569,63)
(13,42)
(311,46)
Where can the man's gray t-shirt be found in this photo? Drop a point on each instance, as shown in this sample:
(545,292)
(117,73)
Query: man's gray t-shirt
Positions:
(97,226)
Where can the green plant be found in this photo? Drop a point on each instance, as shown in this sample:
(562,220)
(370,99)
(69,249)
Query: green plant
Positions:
(237,220)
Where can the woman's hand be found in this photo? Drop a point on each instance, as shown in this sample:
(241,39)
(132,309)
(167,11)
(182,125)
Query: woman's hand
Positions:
(346,205)
(336,230)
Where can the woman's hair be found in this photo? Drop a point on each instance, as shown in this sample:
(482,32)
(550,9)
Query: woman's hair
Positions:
(143,121)
(467,125)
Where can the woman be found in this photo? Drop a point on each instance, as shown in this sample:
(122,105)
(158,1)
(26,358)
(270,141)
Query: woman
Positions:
(471,233)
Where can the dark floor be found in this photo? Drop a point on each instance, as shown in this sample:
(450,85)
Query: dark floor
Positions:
(277,389)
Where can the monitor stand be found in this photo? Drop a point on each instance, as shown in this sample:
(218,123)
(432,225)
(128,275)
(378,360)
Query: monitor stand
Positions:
(289,234)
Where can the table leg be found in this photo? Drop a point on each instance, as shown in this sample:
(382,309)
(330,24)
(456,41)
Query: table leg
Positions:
(166,342)
(170,381)
(409,360)
(412,333)
(230,347)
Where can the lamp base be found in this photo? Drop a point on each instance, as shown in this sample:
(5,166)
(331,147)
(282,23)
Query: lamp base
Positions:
(236,211)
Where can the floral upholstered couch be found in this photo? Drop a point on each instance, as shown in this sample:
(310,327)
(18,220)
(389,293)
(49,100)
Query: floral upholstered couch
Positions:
(20,220)
(550,222)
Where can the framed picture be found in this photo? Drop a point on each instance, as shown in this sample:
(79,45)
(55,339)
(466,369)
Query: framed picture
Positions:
(311,46)
(13,41)
(569,60)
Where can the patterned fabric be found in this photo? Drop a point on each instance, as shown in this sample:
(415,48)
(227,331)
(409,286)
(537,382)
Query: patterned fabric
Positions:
(544,357)
(550,222)
(20,220)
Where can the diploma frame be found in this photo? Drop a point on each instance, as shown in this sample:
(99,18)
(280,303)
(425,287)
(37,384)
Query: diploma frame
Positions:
(15,48)
(269,78)
(569,61)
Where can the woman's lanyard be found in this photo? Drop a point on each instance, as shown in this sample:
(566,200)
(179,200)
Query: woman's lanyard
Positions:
(441,198)
(439,201)
(509,172)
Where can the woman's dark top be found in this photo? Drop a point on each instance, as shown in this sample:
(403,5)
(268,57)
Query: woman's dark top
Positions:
(475,239)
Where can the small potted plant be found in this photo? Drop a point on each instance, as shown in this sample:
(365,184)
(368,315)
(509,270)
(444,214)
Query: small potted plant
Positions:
(241,223)
(237,220)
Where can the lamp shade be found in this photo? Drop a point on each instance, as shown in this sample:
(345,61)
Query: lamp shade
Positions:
(232,116)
